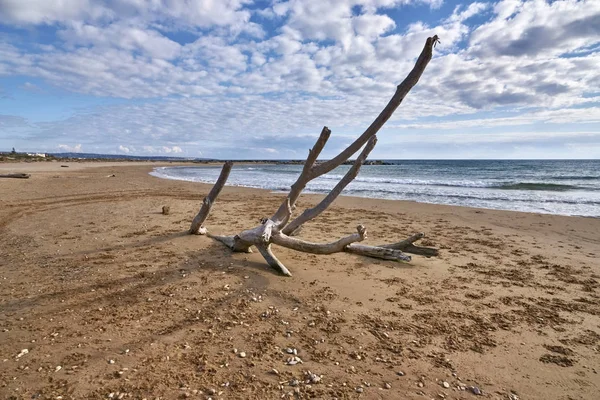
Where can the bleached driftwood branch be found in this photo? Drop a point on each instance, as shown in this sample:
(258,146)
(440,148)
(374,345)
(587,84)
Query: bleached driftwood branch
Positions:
(312,213)
(209,200)
(278,230)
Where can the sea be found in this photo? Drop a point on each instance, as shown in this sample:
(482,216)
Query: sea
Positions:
(562,187)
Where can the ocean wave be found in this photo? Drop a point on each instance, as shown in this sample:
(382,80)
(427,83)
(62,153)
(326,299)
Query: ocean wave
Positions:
(537,186)
(574,178)
(505,199)
(411,181)
(467,183)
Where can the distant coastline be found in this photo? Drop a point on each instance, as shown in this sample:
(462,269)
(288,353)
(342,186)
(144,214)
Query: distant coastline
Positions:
(74,157)
(6,156)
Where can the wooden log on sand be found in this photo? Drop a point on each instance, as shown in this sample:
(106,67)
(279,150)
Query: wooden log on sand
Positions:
(18,176)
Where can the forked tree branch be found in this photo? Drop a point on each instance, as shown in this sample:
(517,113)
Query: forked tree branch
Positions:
(302,180)
(312,213)
(273,230)
(311,171)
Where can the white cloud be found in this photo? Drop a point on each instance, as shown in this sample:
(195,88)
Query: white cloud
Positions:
(574,116)
(538,29)
(69,148)
(174,149)
(188,13)
(49,11)
(328,62)
(122,36)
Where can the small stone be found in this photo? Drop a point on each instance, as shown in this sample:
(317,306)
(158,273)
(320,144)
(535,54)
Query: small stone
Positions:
(312,378)
(387,386)
(294,382)
(294,361)
(359,389)
(166,210)
(242,354)
(289,350)
(476,390)
(445,384)
(400,373)
(211,391)
(22,353)
(420,384)
(58,368)
(111,361)
(274,371)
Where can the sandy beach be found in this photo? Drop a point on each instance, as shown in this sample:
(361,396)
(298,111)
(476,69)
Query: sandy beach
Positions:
(102,296)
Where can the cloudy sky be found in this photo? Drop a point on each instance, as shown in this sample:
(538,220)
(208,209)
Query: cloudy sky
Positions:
(259,79)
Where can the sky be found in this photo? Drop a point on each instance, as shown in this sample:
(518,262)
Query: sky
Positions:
(244,79)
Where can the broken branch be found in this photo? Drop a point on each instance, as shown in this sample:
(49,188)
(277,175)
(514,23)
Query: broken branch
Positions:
(209,200)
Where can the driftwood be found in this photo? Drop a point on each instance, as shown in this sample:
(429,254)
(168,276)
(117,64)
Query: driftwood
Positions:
(209,200)
(280,231)
(18,176)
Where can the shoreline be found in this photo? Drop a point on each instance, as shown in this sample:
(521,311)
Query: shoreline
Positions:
(48,167)
(506,207)
(92,272)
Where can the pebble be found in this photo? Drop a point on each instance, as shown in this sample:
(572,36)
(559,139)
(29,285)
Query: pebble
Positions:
(359,390)
(400,373)
(58,368)
(294,382)
(312,378)
(420,384)
(111,361)
(242,354)
(445,384)
(387,386)
(476,390)
(22,353)
(294,361)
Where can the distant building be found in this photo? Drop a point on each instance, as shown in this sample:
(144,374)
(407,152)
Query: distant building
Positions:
(43,155)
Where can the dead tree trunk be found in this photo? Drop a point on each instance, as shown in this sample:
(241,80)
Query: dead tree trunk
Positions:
(278,230)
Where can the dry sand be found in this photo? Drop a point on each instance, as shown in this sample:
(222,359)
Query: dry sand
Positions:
(112,298)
